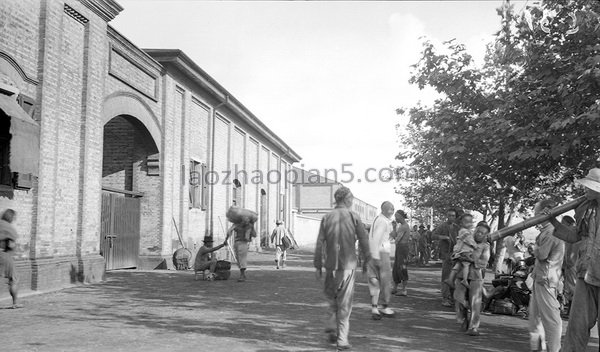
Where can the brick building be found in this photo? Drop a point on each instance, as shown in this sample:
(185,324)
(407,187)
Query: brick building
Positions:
(108,150)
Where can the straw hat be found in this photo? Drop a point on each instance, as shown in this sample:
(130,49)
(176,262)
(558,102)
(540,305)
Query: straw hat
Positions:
(591,181)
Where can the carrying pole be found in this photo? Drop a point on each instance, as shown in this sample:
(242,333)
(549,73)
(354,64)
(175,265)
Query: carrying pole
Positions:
(178,234)
(536,220)
(231,251)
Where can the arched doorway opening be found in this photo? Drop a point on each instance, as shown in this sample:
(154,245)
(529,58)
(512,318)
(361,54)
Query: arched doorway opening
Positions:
(130,192)
(237,193)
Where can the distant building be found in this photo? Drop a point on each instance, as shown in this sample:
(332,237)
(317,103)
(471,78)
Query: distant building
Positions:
(110,153)
(313,198)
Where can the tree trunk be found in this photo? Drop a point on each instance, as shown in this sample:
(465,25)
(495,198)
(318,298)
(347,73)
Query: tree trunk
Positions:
(500,246)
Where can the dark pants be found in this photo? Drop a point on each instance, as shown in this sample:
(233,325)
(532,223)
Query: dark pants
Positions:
(400,272)
(583,316)
(446,270)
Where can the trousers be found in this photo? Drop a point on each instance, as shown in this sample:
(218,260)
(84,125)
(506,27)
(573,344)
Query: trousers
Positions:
(545,324)
(339,290)
(583,316)
(379,272)
(468,299)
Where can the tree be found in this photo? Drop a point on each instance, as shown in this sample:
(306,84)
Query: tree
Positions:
(518,128)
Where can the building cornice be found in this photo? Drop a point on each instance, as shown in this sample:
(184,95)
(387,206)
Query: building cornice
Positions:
(106,9)
(188,67)
(132,49)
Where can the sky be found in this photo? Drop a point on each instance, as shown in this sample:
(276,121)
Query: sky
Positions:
(327,77)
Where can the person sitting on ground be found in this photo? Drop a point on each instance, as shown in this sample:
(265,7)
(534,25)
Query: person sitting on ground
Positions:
(463,251)
(8,243)
(206,258)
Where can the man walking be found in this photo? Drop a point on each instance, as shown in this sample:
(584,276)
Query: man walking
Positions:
(545,324)
(8,243)
(446,235)
(278,238)
(585,305)
(379,269)
(336,246)
(243,233)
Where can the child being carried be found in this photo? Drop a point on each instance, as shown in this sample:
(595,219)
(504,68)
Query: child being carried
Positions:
(462,254)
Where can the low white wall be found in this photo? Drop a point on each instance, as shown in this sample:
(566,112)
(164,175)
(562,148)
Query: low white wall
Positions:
(305,229)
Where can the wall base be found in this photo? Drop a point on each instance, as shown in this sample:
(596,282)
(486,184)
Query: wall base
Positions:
(46,274)
(153,262)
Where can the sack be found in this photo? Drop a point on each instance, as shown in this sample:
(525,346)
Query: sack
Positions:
(503,306)
(222,270)
(237,215)
(223,265)
(286,242)
(222,274)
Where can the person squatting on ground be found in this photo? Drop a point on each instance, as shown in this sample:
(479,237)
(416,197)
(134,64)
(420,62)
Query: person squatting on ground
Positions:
(278,238)
(545,323)
(463,251)
(446,235)
(336,251)
(8,243)
(401,236)
(243,233)
(468,298)
(585,305)
(206,259)
(379,270)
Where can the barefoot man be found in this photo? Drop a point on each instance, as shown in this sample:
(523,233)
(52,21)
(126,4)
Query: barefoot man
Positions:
(336,245)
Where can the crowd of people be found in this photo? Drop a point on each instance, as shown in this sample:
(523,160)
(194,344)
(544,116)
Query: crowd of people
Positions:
(565,262)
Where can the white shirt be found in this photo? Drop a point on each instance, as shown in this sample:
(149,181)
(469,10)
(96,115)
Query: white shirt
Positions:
(379,236)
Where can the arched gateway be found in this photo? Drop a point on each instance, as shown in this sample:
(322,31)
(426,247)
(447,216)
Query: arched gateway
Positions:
(130,183)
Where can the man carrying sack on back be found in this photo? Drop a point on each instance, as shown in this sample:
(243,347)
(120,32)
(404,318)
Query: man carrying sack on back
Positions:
(584,308)
(243,233)
(282,240)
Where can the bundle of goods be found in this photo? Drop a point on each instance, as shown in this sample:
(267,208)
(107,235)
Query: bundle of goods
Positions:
(239,215)
(223,270)
(504,306)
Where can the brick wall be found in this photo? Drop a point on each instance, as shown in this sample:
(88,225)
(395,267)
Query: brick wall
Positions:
(19,23)
(238,164)
(198,150)
(221,195)
(89,76)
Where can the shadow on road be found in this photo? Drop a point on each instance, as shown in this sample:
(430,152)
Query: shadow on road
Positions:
(275,310)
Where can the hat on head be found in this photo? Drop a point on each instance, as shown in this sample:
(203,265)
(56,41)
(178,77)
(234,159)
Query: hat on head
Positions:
(208,239)
(278,222)
(591,181)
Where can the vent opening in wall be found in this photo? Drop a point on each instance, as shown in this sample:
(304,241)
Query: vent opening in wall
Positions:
(76,15)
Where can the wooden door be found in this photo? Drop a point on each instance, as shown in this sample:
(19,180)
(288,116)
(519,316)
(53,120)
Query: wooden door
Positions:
(120,231)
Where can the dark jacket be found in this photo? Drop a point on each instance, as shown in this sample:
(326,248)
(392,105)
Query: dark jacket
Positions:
(336,244)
